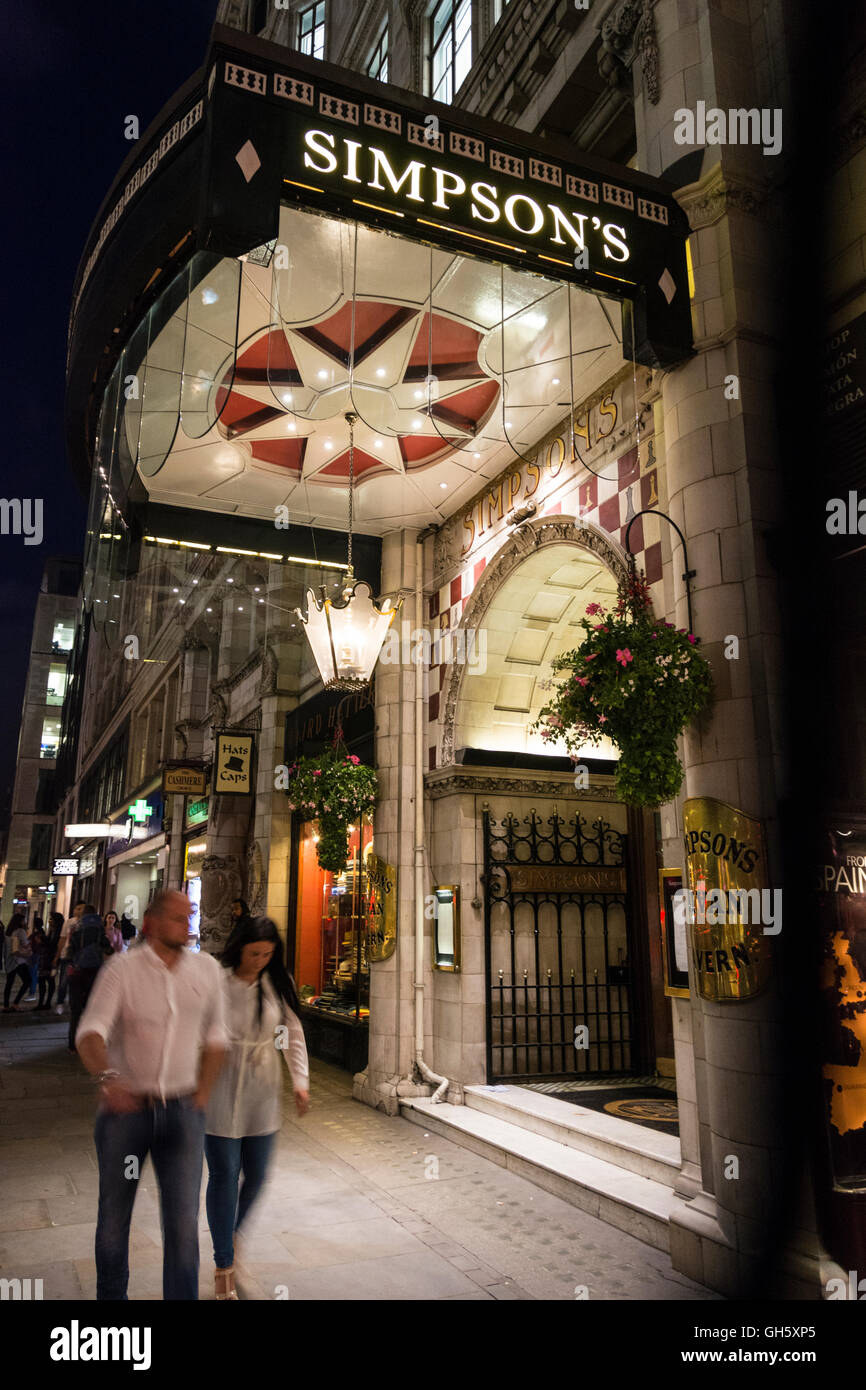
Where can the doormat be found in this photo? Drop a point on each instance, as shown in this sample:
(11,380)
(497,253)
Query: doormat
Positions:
(651,1106)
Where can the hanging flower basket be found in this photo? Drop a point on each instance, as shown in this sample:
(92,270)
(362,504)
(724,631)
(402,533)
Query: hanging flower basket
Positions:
(636,681)
(335,789)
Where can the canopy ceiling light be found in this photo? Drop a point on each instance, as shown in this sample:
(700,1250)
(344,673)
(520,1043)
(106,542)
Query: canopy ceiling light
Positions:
(346,634)
(99,831)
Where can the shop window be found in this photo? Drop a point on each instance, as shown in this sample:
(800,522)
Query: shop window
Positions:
(64,631)
(332,969)
(377,67)
(311,30)
(450,47)
(56,683)
(50,738)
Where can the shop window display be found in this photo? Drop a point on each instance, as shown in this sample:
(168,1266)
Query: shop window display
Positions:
(331,961)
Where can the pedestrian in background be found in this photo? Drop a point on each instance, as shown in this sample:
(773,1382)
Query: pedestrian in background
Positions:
(127,931)
(88,948)
(154,1038)
(47,972)
(245,1110)
(17,961)
(36,942)
(61,956)
(113,932)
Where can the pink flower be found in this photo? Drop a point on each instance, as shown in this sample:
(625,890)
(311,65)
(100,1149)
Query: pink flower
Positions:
(692,638)
(582,680)
(593,608)
(554,721)
(602,719)
(623,656)
(353,759)
(591,658)
(317,772)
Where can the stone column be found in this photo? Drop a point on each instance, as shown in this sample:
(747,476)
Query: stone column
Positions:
(722,483)
(392,1018)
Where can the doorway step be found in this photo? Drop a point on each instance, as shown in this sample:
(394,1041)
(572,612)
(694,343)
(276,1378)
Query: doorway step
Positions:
(621,1172)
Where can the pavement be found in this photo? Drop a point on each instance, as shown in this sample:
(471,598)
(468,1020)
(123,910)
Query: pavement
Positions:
(359,1205)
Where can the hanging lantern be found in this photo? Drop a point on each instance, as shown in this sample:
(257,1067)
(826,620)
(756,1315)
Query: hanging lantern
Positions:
(346,633)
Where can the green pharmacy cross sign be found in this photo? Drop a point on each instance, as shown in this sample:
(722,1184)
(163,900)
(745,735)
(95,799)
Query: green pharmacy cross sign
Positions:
(140,811)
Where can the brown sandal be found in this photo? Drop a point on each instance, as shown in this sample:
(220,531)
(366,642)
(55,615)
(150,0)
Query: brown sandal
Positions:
(224,1284)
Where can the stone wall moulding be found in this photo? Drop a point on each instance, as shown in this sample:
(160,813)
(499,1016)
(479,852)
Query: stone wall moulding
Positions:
(628,33)
(712,196)
(221,881)
(524,541)
(476,781)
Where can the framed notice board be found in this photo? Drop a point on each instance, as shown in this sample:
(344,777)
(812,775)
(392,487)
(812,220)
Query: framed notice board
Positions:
(675,941)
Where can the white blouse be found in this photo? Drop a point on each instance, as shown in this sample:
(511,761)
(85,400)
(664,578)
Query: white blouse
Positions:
(247,1095)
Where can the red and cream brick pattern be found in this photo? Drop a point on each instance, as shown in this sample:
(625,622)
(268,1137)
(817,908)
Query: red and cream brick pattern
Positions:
(622,486)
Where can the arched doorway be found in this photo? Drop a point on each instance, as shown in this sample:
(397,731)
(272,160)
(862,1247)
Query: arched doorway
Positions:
(566,985)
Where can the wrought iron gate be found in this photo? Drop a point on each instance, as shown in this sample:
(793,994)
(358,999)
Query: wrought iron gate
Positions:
(556,934)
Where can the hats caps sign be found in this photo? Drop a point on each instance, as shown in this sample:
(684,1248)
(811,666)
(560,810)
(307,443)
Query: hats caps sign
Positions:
(233,764)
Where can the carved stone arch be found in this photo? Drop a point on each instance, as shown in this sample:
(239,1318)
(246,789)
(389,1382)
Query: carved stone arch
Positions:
(528,538)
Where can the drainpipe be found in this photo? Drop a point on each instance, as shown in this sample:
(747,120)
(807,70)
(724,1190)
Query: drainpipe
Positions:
(441,1082)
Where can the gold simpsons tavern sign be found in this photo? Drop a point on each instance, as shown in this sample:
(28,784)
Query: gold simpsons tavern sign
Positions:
(727,863)
(381,908)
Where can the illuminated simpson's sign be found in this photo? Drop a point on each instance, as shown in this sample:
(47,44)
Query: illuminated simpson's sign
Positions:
(557,222)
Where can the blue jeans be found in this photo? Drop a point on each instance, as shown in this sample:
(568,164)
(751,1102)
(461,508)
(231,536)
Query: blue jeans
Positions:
(225,1210)
(172,1134)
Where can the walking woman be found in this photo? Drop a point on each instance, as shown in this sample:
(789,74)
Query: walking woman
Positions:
(113,933)
(18,956)
(244,1113)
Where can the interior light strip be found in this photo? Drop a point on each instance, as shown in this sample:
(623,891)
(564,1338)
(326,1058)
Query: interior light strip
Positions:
(295,184)
(377,208)
(259,554)
(618,278)
(555,259)
(443,227)
(322,564)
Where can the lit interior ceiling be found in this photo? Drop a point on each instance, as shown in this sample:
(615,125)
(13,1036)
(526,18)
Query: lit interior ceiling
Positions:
(453,366)
(533,618)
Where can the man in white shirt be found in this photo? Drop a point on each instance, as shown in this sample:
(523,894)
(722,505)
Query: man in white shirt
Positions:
(154,1037)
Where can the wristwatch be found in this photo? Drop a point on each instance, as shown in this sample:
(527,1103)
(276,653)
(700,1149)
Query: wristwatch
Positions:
(103,1077)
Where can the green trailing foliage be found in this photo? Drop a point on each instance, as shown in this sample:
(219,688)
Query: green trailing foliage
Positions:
(636,681)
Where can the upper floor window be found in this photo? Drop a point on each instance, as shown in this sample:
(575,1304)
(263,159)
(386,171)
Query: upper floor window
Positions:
(64,632)
(50,738)
(311,30)
(377,67)
(56,683)
(450,47)
(260,15)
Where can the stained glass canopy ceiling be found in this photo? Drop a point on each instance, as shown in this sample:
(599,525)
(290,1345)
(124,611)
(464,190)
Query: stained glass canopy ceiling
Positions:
(455,367)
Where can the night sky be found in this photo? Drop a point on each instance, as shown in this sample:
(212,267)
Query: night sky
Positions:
(71,73)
